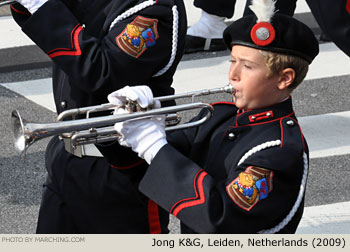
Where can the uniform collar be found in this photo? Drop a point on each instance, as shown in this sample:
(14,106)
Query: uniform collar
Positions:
(265,115)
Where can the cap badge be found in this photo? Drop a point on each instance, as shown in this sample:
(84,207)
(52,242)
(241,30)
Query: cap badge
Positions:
(263,34)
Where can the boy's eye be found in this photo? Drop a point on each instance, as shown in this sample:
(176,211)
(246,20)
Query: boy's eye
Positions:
(247,66)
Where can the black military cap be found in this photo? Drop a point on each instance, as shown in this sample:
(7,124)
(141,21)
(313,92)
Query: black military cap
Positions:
(281,34)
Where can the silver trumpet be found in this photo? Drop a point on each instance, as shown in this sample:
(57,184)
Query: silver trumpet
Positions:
(101,129)
(5,2)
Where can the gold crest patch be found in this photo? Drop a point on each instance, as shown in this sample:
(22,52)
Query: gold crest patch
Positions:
(250,186)
(139,35)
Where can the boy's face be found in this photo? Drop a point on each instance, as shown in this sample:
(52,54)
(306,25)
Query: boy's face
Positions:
(247,74)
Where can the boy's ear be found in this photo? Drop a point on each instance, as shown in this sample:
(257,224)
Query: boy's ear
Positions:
(286,78)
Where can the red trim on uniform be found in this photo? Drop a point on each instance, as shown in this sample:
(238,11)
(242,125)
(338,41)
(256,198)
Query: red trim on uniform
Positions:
(348,6)
(199,199)
(18,11)
(281,132)
(240,113)
(228,103)
(180,201)
(153,218)
(129,166)
(254,124)
(261,116)
(75,44)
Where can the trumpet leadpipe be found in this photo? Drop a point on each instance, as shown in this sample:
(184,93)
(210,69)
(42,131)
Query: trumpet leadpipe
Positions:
(108,106)
(226,89)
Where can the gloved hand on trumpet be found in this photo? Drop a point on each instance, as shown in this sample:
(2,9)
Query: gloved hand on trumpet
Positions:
(145,136)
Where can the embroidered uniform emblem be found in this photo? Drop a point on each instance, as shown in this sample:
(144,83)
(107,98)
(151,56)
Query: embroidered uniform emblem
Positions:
(139,35)
(250,186)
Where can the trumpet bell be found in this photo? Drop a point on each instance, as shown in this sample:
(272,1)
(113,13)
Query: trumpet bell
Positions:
(21,144)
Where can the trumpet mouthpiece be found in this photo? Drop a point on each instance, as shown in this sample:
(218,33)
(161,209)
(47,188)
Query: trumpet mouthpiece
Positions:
(230,89)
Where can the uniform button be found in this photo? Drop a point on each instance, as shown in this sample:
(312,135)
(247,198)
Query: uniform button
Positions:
(290,123)
(63,104)
(231,136)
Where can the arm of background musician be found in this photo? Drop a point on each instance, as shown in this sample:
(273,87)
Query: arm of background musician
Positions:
(102,64)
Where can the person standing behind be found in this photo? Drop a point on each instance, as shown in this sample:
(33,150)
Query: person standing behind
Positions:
(98,46)
(245,169)
(333,17)
(206,33)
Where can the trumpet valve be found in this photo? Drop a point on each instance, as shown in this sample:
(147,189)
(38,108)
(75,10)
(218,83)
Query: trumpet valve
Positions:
(133,106)
(172,119)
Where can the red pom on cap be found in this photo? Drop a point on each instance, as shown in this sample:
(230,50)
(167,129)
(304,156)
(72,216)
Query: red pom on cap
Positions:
(263,34)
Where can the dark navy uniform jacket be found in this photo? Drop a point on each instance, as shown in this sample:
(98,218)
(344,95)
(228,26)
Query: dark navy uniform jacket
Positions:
(240,172)
(95,52)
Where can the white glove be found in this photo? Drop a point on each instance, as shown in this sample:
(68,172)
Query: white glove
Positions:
(32,5)
(145,136)
(141,94)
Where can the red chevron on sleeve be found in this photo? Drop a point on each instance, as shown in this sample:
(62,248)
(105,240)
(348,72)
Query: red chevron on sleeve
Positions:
(348,6)
(25,12)
(74,51)
(197,200)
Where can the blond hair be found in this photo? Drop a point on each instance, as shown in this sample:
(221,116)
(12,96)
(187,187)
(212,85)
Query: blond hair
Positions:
(276,62)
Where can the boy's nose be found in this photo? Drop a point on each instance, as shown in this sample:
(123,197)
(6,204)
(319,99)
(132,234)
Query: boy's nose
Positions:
(234,73)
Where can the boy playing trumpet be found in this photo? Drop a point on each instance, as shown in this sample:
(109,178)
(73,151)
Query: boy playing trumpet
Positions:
(245,170)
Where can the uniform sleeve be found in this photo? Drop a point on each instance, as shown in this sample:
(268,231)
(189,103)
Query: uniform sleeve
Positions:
(19,13)
(256,195)
(109,62)
(185,140)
